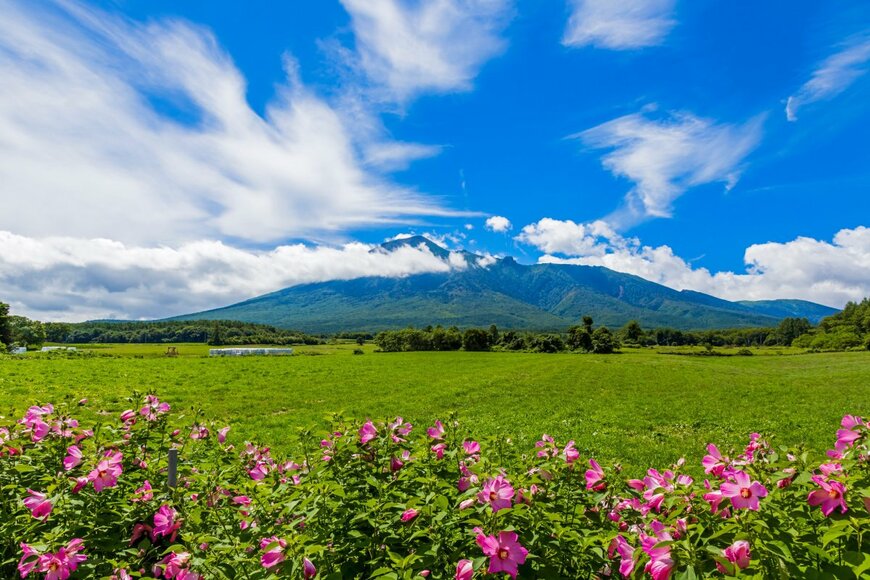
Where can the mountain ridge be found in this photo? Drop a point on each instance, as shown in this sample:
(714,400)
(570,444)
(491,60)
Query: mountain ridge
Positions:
(505,293)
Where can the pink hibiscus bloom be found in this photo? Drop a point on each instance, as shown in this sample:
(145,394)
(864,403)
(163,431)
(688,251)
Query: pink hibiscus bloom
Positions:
(308,569)
(830,497)
(570,453)
(595,477)
(713,462)
(175,566)
(409,515)
(436,432)
(497,492)
(275,555)
(73,457)
(738,554)
(438,450)
(28,561)
(367,432)
(59,565)
(471,447)
(744,493)
(144,493)
(259,471)
(222,434)
(153,408)
(464,570)
(505,552)
(38,504)
(107,471)
(165,523)
(626,553)
(661,564)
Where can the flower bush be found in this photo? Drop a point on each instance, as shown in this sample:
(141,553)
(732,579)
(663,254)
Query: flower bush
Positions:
(392,500)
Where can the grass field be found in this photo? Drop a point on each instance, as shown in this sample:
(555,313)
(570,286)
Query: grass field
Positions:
(641,407)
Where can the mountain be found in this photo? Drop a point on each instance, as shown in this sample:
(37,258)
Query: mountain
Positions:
(505,293)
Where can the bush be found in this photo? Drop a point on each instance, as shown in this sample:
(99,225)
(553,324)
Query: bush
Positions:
(475,339)
(603,341)
(388,500)
(744,352)
(358,351)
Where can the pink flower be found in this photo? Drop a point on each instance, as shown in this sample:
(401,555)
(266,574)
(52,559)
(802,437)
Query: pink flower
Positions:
(438,450)
(199,432)
(165,523)
(738,554)
(367,432)
(259,471)
(33,421)
(308,569)
(830,497)
(39,506)
(242,500)
(497,492)
(505,553)
(471,447)
(175,565)
(73,457)
(626,554)
(743,493)
(59,565)
(409,515)
(713,462)
(395,463)
(661,564)
(867,504)
(594,476)
(464,505)
(28,561)
(570,452)
(222,434)
(144,493)
(80,484)
(128,416)
(436,432)
(275,554)
(153,408)
(107,471)
(464,570)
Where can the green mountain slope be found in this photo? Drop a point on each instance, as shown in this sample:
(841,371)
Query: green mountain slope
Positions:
(508,294)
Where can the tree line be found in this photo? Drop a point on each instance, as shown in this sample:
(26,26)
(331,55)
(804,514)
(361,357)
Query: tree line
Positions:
(849,328)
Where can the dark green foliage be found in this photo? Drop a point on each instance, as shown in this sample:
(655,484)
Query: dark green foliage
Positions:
(603,341)
(231,332)
(847,329)
(475,339)
(540,297)
(5,329)
(546,343)
(580,338)
(26,332)
(791,328)
(632,332)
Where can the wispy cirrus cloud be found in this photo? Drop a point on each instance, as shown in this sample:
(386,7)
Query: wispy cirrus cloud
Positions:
(828,272)
(84,132)
(833,76)
(619,24)
(667,155)
(407,48)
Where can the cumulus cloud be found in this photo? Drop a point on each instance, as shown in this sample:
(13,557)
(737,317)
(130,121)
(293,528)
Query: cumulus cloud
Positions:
(826,272)
(408,47)
(664,157)
(498,223)
(619,24)
(833,76)
(84,132)
(62,278)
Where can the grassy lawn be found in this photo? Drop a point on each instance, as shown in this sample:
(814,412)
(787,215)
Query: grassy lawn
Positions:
(640,407)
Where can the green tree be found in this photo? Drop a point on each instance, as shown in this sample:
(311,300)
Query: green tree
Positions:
(493,334)
(5,329)
(26,332)
(475,339)
(632,332)
(216,338)
(791,328)
(603,341)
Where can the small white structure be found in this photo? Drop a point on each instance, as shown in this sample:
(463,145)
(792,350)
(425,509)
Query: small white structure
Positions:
(249,351)
(19,350)
(51,348)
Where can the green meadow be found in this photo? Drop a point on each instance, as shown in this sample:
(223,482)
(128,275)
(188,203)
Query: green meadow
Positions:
(642,407)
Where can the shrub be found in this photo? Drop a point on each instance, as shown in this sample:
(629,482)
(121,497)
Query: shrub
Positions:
(744,352)
(358,351)
(475,339)
(385,500)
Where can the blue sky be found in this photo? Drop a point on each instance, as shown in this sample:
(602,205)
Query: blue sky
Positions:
(162,157)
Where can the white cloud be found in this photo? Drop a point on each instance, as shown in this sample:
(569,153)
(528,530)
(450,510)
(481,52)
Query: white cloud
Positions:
(829,273)
(665,157)
(411,47)
(619,24)
(60,278)
(498,223)
(83,133)
(835,74)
